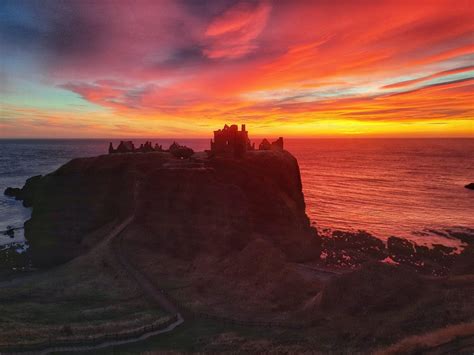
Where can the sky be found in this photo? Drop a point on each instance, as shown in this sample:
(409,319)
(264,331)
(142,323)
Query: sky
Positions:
(183,68)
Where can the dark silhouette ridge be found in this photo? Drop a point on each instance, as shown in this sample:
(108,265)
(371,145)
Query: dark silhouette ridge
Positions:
(201,204)
(470,186)
(227,141)
(177,150)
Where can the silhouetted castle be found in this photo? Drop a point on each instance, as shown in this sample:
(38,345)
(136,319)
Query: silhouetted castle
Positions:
(230,140)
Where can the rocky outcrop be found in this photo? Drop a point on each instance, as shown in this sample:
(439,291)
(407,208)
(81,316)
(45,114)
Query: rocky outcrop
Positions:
(352,249)
(26,194)
(12,192)
(470,186)
(213,205)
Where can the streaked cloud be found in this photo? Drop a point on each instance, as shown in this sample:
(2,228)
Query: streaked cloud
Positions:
(294,67)
(234,33)
(444,73)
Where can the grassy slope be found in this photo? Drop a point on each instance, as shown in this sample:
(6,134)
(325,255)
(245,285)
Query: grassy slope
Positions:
(90,294)
(440,304)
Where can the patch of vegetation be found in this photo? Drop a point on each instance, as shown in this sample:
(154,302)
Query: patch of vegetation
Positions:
(88,296)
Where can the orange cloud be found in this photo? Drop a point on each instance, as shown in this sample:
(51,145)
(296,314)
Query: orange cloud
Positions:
(302,67)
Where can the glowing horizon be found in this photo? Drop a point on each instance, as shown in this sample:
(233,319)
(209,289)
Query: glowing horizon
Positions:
(284,68)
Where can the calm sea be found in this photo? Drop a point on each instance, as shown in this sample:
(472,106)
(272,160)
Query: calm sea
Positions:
(401,187)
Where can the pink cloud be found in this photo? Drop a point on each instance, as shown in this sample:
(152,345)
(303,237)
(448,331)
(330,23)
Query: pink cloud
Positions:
(234,33)
(195,61)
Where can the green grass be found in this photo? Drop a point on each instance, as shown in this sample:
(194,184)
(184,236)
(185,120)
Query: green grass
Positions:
(87,295)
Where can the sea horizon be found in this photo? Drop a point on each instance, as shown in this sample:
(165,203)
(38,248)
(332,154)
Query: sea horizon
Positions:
(367,194)
(210,137)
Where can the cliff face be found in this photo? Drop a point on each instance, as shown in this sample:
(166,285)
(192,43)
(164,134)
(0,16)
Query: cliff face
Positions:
(187,207)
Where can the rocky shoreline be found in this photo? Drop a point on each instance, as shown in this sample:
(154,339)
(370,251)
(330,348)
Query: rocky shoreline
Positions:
(342,249)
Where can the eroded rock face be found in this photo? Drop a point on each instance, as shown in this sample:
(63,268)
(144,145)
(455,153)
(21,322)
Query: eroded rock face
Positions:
(216,205)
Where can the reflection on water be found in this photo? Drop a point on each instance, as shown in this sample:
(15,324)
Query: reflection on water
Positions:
(388,186)
(399,187)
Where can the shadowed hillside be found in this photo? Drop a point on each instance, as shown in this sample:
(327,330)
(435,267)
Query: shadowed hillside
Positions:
(212,205)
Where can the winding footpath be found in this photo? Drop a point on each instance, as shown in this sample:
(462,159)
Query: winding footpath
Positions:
(115,240)
(154,295)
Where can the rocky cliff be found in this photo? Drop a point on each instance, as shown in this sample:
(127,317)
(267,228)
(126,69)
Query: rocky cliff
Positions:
(188,206)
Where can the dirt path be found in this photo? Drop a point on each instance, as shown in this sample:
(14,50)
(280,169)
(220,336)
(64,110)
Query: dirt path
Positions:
(153,294)
(115,238)
(115,241)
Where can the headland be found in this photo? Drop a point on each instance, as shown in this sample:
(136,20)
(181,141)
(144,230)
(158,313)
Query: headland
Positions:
(224,237)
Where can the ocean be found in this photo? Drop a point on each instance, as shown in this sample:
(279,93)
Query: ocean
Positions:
(411,188)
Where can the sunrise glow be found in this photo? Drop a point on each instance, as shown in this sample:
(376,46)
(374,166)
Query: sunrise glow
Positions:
(184,68)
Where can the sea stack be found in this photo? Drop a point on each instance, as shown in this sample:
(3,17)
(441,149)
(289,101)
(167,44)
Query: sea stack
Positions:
(212,203)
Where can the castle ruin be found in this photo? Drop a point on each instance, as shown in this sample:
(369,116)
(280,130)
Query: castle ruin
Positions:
(231,141)
(228,141)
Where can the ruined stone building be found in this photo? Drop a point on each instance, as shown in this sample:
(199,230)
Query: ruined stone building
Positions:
(230,140)
(276,145)
(265,145)
(123,147)
(129,147)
